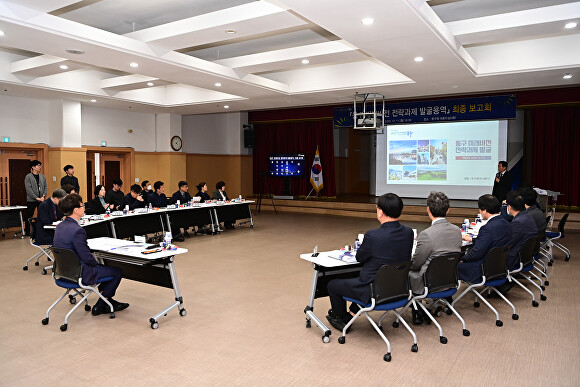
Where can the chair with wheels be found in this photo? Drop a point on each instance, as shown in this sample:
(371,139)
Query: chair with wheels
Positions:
(540,265)
(495,272)
(441,281)
(43,248)
(390,290)
(553,238)
(67,274)
(525,268)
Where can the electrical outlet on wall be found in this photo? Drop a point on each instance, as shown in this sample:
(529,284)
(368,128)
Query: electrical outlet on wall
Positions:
(136,180)
(54,178)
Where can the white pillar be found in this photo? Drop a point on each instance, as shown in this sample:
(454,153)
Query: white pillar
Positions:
(167,125)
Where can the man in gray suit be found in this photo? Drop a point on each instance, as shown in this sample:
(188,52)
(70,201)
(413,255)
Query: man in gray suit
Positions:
(441,238)
(36,187)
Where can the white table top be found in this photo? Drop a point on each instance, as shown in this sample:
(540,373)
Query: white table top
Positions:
(8,208)
(324,259)
(129,249)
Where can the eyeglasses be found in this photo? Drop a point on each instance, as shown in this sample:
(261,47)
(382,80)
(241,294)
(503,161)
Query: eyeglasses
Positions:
(82,206)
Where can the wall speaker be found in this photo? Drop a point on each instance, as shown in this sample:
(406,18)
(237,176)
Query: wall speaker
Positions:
(249,138)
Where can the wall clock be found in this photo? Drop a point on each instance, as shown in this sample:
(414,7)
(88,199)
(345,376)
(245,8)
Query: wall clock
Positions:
(176,143)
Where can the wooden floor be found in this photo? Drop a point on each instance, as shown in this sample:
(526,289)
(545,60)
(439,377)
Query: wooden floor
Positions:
(245,291)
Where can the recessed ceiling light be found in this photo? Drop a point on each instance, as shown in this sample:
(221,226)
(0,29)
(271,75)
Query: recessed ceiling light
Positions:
(134,64)
(567,76)
(226,106)
(454,87)
(305,61)
(149,83)
(1,33)
(367,21)
(75,51)
(217,84)
(418,59)
(570,25)
(63,67)
(93,100)
(231,31)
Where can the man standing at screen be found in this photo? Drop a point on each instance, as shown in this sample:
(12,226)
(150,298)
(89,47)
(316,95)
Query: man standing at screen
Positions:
(389,244)
(503,182)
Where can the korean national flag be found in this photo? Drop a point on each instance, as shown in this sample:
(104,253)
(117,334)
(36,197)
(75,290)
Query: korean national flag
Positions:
(316,173)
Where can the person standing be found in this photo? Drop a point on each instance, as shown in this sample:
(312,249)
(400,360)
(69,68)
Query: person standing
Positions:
(391,243)
(36,188)
(70,178)
(503,182)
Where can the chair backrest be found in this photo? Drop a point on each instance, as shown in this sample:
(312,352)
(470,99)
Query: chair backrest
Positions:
(32,223)
(495,263)
(391,282)
(66,265)
(562,223)
(541,236)
(441,274)
(526,253)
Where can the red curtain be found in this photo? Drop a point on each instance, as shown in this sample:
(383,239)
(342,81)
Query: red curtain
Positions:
(294,137)
(556,151)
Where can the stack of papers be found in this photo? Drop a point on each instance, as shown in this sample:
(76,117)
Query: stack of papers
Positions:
(341,255)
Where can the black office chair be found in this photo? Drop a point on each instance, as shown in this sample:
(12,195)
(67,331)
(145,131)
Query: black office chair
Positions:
(67,274)
(553,238)
(390,290)
(441,281)
(494,270)
(43,248)
(539,265)
(526,256)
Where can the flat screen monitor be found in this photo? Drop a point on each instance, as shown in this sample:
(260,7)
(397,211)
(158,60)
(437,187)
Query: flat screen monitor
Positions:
(286,165)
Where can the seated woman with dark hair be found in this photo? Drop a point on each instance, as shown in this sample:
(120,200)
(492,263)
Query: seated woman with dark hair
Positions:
(98,205)
(220,194)
(202,191)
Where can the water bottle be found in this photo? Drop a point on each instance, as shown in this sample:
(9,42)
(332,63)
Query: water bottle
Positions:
(178,203)
(356,245)
(465,225)
(108,211)
(167,240)
(126,210)
(150,207)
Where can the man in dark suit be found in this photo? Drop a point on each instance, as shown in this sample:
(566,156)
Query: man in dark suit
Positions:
(48,212)
(496,232)
(70,235)
(182,193)
(70,178)
(133,199)
(530,197)
(158,198)
(523,227)
(439,239)
(503,182)
(115,196)
(390,243)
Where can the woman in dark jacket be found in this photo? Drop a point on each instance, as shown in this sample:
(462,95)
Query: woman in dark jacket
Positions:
(202,191)
(97,206)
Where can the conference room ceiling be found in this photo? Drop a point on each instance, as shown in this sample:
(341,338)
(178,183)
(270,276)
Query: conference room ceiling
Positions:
(199,56)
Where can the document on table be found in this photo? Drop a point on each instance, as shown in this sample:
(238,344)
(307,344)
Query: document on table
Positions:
(341,255)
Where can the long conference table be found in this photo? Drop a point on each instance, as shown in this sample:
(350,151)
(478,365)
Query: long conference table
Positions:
(143,221)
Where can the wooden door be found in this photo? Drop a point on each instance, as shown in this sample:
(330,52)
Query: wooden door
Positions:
(110,170)
(14,166)
(357,163)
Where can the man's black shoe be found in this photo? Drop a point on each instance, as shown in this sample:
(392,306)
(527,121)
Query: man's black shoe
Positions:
(100,307)
(417,317)
(179,238)
(186,234)
(118,306)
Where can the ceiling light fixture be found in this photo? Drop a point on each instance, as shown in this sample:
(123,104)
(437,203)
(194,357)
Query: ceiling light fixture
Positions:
(134,64)
(75,51)
(231,31)
(63,67)
(418,59)
(567,76)
(305,61)
(367,21)
(1,33)
(217,84)
(150,84)
(93,100)
(226,106)
(570,25)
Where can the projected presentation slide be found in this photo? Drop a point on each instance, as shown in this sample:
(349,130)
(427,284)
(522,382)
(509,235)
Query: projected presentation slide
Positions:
(443,153)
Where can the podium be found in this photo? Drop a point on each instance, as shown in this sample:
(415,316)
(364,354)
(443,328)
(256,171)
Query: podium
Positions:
(548,200)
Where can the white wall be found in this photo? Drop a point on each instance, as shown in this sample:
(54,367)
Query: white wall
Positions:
(112,126)
(220,134)
(25,119)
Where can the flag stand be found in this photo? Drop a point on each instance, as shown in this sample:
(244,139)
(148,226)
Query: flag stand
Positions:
(307,196)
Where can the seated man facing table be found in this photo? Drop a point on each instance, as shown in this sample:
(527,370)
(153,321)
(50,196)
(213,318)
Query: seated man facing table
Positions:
(133,199)
(530,197)
(495,233)
(70,235)
(181,194)
(146,189)
(440,238)
(97,206)
(48,213)
(158,198)
(390,243)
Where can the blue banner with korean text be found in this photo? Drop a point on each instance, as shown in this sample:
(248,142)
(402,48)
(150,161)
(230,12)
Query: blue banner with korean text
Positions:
(463,109)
